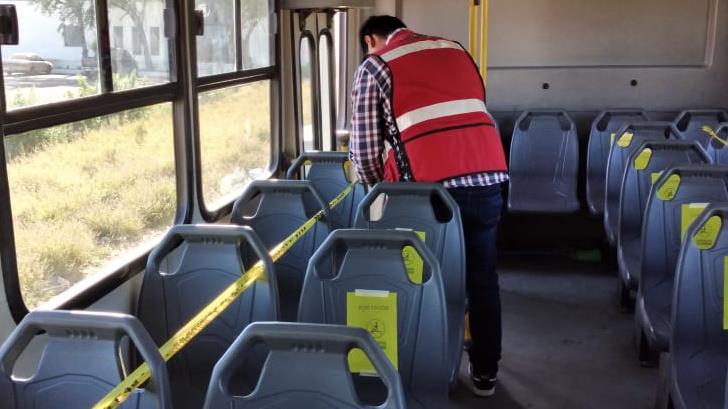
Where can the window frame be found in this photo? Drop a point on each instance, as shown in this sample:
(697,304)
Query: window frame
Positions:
(271,73)
(181,91)
(326,41)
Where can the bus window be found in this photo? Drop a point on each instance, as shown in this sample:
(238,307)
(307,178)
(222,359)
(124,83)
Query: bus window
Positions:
(87,192)
(256,34)
(307,97)
(327,109)
(235,140)
(139,50)
(216,48)
(56,57)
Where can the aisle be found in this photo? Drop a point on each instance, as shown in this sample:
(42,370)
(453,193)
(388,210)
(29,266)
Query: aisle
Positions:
(566,346)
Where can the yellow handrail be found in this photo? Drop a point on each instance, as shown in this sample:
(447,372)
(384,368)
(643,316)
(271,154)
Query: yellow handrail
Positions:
(473,28)
(484,40)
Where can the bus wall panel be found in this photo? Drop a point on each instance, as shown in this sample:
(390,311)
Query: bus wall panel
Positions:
(662,55)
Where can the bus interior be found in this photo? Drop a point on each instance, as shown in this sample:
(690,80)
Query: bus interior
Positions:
(181,227)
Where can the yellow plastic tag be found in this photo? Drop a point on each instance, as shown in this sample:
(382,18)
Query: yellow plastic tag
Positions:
(375,311)
(412,260)
(714,135)
(706,237)
(690,212)
(668,190)
(643,159)
(612,137)
(625,140)
(725,293)
(655,176)
(347,167)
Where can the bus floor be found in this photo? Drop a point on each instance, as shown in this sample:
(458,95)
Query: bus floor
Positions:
(565,343)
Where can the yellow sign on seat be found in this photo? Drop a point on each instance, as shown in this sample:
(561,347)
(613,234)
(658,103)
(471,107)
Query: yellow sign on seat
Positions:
(625,140)
(412,260)
(375,311)
(689,212)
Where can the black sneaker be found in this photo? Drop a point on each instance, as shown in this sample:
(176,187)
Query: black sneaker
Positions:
(483,385)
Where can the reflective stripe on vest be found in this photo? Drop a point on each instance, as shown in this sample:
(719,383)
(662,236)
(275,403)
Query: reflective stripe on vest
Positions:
(441,110)
(417,47)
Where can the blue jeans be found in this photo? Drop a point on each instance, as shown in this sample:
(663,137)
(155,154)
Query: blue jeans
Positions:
(480,209)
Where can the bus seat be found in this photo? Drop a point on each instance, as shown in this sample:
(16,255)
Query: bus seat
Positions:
(189,268)
(624,146)
(718,147)
(636,187)
(306,368)
(606,124)
(699,356)
(664,222)
(350,261)
(691,123)
(275,209)
(81,362)
(544,163)
(428,208)
(327,172)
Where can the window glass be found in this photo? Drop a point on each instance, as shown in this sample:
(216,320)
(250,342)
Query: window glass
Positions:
(326,81)
(307,94)
(55,59)
(235,140)
(88,192)
(154,40)
(256,34)
(339,22)
(141,59)
(136,43)
(118,39)
(216,48)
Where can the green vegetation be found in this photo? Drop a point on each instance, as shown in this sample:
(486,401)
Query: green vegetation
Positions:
(234,138)
(86,192)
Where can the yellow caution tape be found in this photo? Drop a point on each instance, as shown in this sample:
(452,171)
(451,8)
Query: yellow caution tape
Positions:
(714,135)
(213,310)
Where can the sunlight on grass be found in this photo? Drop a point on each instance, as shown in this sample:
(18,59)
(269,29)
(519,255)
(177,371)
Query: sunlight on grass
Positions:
(85,193)
(234,139)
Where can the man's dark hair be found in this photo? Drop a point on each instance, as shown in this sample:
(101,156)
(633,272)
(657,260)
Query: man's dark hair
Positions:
(379,25)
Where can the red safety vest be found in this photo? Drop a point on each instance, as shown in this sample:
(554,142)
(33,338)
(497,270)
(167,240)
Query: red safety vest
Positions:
(438,102)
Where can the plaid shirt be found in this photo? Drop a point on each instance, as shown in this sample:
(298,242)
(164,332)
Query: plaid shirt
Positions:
(373,123)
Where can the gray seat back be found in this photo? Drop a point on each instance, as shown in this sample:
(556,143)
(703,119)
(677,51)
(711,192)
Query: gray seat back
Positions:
(691,123)
(327,172)
(643,168)
(351,260)
(619,155)
(413,206)
(698,343)
(306,368)
(275,209)
(544,163)
(718,147)
(176,286)
(603,133)
(80,363)
(667,208)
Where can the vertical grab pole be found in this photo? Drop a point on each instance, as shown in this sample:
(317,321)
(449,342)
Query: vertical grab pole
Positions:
(473,29)
(484,40)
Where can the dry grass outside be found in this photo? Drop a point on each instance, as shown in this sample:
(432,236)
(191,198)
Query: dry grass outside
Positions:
(83,195)
(234,139)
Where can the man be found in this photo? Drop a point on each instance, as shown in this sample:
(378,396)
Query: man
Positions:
(420,101)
